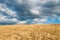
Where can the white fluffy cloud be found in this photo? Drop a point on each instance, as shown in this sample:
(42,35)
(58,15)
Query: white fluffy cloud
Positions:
(40,20)
(36,10)
(4,8)
(5,19)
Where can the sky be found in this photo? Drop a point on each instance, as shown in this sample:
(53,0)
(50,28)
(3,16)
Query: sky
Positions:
(29,12)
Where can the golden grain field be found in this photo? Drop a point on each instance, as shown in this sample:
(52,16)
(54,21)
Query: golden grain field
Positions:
(30,32)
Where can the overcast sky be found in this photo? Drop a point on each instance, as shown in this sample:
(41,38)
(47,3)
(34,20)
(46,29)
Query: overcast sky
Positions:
(29,12)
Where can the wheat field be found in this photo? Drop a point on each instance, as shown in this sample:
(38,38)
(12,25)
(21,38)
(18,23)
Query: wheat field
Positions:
(30,32)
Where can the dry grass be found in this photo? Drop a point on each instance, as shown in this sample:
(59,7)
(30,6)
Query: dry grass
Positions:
(30,32)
